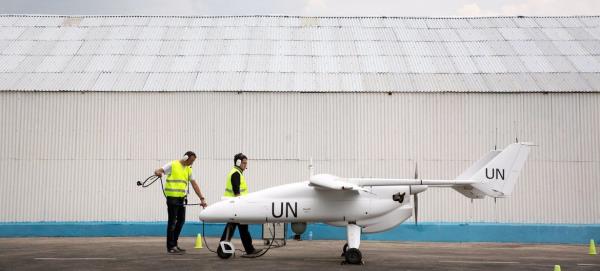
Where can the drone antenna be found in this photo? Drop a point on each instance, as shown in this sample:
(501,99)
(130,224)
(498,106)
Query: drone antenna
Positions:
(311,169)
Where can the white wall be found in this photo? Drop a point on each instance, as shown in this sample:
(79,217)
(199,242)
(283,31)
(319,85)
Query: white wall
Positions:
(75,156)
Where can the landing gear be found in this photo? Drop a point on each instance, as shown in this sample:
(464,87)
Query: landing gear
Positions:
(224,255)
(350,250)
(353,256)
(226,248)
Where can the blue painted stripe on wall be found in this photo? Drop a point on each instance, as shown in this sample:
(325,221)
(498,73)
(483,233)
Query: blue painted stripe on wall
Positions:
(429,232)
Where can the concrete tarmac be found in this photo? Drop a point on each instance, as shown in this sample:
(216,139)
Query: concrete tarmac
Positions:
(149,253)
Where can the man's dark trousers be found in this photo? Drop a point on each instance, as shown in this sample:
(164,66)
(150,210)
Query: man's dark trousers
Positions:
(176,219)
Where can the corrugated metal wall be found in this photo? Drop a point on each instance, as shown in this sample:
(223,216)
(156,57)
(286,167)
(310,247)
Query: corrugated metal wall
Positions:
(76,156)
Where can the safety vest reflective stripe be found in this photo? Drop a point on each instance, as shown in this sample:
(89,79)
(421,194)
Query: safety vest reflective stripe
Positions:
(231,191)
(174,190)
(177,181)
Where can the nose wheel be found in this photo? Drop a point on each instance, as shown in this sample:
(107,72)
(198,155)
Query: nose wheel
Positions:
(222,254)
(226,248)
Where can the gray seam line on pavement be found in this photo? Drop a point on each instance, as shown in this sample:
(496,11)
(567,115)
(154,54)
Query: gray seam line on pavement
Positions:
(72,259)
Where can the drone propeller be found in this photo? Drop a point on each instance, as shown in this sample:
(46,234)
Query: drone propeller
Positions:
(416,198)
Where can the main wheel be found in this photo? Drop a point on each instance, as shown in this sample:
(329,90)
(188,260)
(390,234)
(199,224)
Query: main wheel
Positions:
(222,254)
(344,250)
(353,256)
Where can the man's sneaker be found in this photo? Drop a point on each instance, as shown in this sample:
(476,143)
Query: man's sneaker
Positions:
(180,249)
(254,252)
(174,251)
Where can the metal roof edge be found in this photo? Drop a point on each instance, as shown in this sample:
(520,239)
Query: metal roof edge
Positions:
(292,16)
(310,92)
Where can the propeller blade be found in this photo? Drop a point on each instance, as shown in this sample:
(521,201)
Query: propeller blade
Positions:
(416,197)
(416,172)
(416,205)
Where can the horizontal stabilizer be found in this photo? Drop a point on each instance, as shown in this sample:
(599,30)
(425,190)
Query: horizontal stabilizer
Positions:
(392,182)
(326,181)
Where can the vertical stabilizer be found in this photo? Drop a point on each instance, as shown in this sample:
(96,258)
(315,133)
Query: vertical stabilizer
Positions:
(497,171)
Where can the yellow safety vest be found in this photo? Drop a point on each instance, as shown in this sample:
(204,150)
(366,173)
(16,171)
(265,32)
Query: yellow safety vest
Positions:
(229,187)
(177,180)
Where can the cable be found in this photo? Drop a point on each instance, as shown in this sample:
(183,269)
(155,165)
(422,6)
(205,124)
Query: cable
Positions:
(204,239)
(153,178)
(266,250)
(246,256)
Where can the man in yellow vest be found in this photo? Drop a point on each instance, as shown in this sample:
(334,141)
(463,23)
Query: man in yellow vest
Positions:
(236,186)
(179,175)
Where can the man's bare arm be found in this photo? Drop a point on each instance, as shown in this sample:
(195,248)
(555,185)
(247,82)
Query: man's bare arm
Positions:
(199,193)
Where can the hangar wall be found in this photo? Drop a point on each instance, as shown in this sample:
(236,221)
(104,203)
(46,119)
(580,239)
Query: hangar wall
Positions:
(75,156)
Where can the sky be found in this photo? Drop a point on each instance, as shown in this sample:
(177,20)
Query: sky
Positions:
(416,8)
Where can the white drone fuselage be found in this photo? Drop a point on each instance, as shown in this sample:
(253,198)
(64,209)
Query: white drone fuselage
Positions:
(373,209)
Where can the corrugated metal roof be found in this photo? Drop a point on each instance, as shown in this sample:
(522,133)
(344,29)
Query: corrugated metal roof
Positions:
(282,53)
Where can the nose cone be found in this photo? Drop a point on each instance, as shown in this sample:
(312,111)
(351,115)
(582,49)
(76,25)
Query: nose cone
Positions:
(222,211)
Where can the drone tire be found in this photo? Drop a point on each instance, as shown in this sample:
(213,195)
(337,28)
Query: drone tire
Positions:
(222,254)
(353,256)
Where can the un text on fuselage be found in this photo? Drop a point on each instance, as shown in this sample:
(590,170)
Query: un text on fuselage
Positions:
(277,210)
(494,173)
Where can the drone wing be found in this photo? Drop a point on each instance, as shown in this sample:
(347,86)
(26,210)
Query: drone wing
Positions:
(326,181)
